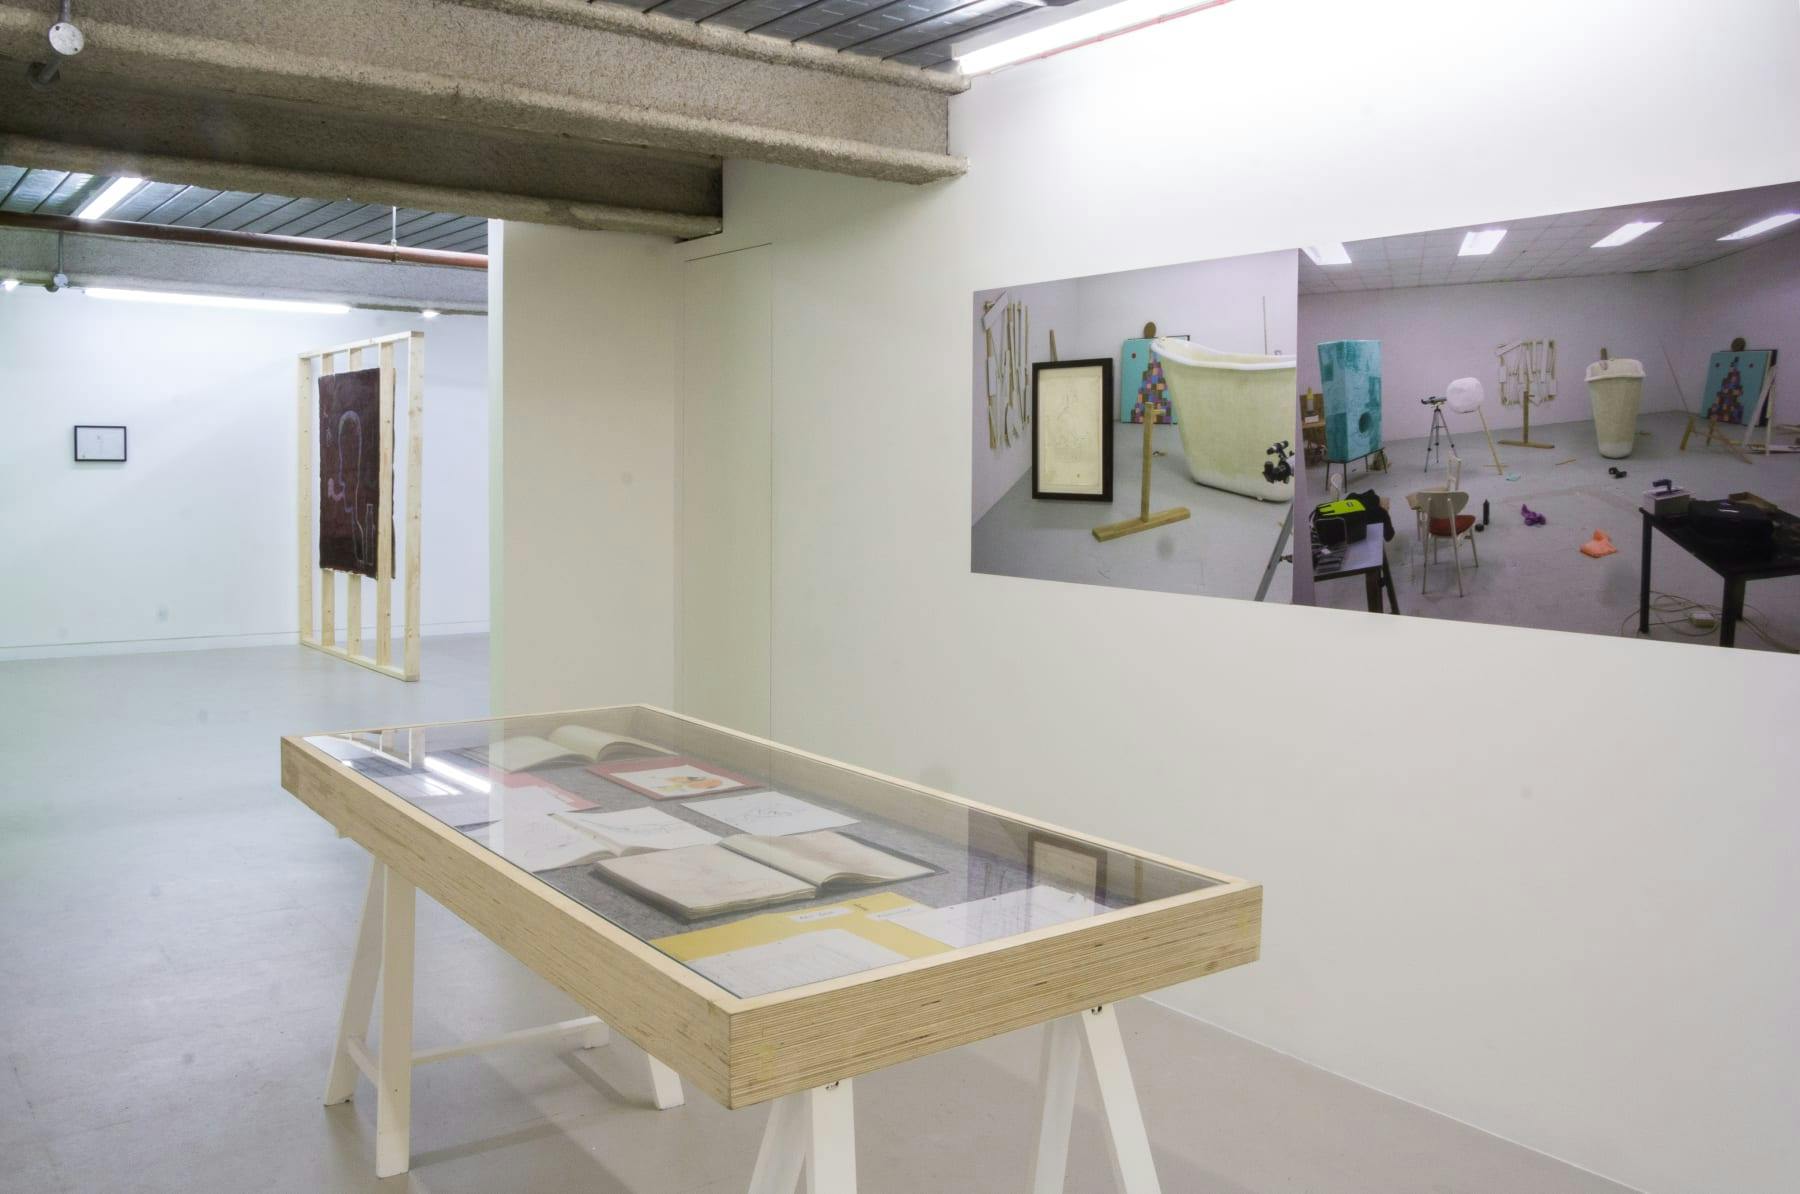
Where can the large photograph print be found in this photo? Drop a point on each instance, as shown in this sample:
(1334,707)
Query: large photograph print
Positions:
(1574,421)
(350,471)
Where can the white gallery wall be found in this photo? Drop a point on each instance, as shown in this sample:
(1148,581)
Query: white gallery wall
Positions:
(1568,921)
(584,398)
(1754,294)
(191,541)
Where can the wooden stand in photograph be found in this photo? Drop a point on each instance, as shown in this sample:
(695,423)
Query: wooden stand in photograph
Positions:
(1145,520)
(321,635)
(1524,440)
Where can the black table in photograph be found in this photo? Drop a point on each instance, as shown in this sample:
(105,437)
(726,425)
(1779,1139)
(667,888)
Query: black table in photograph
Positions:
(1737,565)
(1367,558)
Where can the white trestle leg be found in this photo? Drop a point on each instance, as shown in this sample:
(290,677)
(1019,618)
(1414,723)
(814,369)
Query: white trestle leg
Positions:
(394,1060)
(1098,1030)
(812,1131)
(359,994)
(384,952)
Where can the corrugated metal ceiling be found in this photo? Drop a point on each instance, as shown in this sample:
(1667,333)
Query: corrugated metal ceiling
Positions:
(61,193)
(910,32)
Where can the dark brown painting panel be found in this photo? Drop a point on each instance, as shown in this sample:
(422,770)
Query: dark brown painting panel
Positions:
(350,471)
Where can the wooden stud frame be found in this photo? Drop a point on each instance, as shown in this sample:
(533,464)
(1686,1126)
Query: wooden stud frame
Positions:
(745,1051)
(321,633)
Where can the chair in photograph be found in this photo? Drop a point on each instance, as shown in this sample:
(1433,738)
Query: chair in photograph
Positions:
(1465,396)
(1416,499)
(1442,513)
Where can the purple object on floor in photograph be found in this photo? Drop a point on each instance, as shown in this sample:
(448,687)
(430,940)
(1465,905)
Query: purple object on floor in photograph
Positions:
(1532,517)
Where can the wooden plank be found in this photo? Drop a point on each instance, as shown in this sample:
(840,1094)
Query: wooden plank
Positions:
(384,526)
(303,475)
(415,458)
(663,1007)
(353,585)
(327,607)
(373,342)
(327,578)
(386,669)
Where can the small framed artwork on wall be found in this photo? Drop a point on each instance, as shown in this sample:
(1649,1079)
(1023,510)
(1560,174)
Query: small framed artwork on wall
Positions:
(1072,426)
(99,444)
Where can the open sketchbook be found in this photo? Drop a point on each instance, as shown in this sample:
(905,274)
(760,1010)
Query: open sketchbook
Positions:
(569,744)
(746,871)
(557,839)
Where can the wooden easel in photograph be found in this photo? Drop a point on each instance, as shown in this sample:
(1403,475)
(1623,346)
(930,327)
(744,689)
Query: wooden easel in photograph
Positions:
(1145,520)
(1530,360)
(322,636)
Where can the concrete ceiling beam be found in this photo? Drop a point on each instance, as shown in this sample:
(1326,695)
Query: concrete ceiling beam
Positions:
(552,98)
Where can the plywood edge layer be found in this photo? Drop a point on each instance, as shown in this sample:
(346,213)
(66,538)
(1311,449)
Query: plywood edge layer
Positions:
(552,935)
(811,1041)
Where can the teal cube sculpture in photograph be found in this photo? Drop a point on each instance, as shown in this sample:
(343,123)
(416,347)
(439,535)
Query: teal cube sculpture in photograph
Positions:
(1350,375)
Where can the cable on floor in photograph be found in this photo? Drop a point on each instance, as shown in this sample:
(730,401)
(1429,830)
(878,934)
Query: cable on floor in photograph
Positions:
(1682,622)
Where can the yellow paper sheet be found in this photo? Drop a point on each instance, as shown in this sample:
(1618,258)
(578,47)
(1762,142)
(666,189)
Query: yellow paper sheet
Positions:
(853,916)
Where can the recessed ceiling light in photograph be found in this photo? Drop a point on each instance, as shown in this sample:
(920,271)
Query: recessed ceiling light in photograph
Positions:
(1480,243)
(1330,253)
(1762,226)
(1626,233)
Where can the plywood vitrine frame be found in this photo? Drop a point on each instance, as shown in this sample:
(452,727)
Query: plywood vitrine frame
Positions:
(320,632)
(743,1051)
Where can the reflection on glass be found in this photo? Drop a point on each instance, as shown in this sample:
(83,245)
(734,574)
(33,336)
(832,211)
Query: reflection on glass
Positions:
(761,868)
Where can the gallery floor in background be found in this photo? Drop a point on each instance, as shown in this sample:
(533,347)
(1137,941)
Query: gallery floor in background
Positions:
(1536,575)
(178,930)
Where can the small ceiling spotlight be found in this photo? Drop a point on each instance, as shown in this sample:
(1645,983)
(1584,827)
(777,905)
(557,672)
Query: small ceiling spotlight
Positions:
(430,313)
(66,41)
(9,285)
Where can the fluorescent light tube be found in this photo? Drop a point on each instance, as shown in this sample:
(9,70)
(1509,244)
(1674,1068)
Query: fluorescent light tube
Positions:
(1480,243)
(1089,26)
(215,300)
(1762,226)
(430,313)
(111,197)
(1625,234)
(1330,253)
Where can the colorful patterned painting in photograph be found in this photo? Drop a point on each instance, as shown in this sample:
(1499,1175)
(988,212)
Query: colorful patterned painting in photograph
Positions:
(1734,384)
(350,471)
(1140,375)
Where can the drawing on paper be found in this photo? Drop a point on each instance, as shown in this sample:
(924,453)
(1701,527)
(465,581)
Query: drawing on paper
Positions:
(350,471)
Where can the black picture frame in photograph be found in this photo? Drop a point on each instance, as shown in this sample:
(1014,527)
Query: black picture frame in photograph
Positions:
(98,446)
(1072,430)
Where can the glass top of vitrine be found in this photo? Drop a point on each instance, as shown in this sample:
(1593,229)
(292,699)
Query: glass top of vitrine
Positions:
(758,867)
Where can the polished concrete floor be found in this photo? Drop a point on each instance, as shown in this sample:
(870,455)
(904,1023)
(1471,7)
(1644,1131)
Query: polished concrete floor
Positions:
(176,932)
(1537,576)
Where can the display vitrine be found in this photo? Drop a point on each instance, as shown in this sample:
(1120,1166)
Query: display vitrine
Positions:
(764,922)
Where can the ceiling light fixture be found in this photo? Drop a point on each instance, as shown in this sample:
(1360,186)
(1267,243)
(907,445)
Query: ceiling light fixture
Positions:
(215,300)
(111,197)
(1480,243)
(1329,253)
(1625,234)
(1078,24)
(1762,226)
(9,285)
(430,313)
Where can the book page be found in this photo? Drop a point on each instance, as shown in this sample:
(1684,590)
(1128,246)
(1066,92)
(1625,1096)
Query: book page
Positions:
(540,842)
(592,744)
(636,829)
(824,856)
(999,916)
(516,754)
(702,881)
(770,814)
(794,962)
